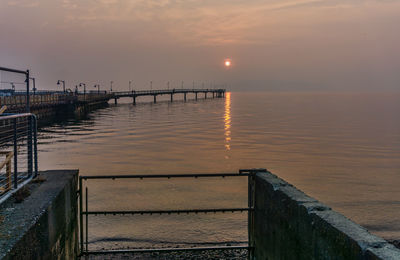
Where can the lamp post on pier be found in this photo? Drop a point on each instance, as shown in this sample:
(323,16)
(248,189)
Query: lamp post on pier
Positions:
(84,89)
(98,88)
(34,85)
(63,82)
(130,82)
(111,85)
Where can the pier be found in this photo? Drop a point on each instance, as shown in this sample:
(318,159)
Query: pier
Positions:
(216,93)
(47,103)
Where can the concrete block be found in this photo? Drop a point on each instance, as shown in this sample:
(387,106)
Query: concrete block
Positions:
(291,225)
(45,224)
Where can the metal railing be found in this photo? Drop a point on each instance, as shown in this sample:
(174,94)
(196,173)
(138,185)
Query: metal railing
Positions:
(23,81)
(165,91)
(18,142)
(84,212)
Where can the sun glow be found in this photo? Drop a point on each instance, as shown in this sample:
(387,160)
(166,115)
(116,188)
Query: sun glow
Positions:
(227,63)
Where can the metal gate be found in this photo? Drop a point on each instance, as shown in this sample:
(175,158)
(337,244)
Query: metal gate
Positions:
(84,212)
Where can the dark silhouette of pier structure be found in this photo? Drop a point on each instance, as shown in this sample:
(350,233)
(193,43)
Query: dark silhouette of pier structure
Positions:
(216,93)
(49,102)
(43,102)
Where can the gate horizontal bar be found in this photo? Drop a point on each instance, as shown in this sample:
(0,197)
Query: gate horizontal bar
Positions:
(152,176)
(13,70)
(150,212)
(161,250)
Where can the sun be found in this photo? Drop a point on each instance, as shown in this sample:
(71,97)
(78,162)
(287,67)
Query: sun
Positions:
(227,63)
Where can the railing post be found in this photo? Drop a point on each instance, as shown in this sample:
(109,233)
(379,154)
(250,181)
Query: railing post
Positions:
(87,220)
(251,204)
(15,154)
(28,108)
(35,145)
(250,229)
(80,215)
(30,151)
(8,174)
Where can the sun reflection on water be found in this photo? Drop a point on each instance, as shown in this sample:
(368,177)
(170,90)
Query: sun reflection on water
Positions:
(227,121)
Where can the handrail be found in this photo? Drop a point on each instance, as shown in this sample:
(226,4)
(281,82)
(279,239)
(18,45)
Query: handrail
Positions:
(13,116)
(17,130)
(152,176)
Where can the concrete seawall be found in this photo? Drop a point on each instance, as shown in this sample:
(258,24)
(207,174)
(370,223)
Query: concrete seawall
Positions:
(44,225)
(291,225)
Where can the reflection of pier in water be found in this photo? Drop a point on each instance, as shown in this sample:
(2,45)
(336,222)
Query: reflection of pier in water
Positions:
(227,122)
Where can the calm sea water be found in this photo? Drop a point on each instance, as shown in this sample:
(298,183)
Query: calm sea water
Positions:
(341,148)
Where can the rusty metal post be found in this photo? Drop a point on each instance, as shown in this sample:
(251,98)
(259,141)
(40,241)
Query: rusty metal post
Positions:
(87,220)
(27,92)
(80,215)
(251,195)
(8,174)
(15,154)
(30,144)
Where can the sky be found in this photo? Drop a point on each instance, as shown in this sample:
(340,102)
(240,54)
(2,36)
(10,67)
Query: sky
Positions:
(279,45)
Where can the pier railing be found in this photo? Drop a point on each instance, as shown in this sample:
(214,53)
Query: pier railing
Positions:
(84,211)
(165,91)
(18,152)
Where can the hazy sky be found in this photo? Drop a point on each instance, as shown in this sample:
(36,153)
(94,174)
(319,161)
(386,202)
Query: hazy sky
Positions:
(273,44)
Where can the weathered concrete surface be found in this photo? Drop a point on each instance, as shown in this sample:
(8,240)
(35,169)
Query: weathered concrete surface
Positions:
(291,225)
(44,225)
